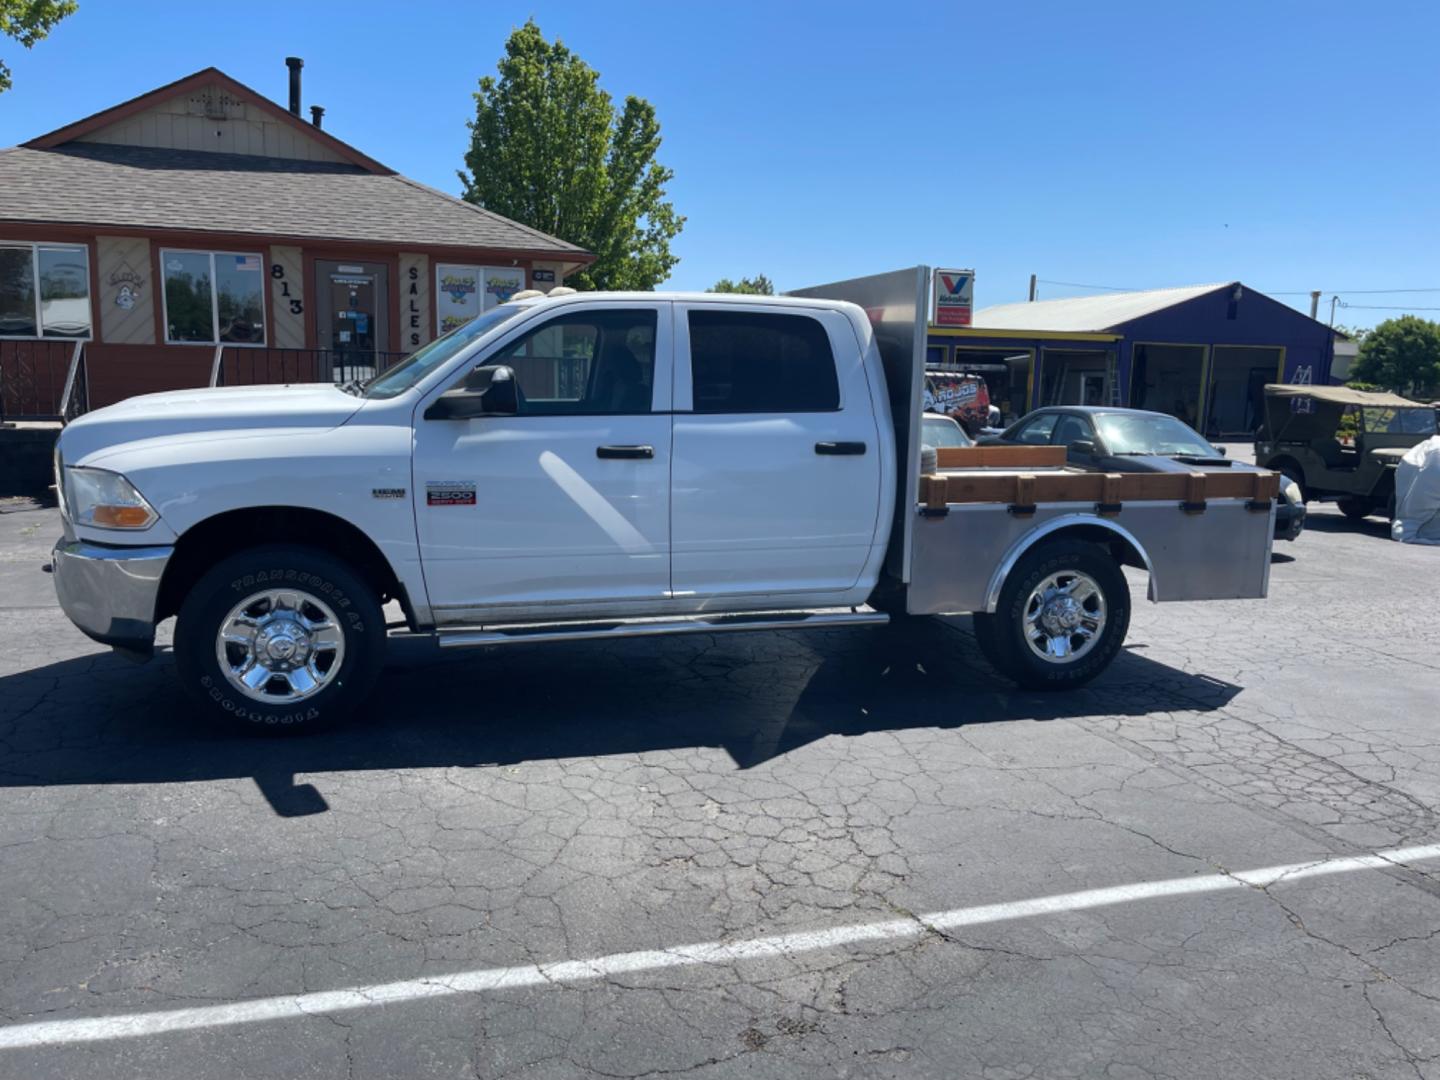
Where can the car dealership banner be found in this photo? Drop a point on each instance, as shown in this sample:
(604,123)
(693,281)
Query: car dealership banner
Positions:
(953,297)
(462,292)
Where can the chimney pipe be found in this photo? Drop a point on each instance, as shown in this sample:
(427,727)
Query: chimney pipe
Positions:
(294,63)
(317,113)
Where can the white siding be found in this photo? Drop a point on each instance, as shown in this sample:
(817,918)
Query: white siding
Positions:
(289,286)
(414,302)
(210,119)
(125,274)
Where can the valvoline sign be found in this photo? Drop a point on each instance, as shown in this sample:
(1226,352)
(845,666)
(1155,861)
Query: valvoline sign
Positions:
(954,297)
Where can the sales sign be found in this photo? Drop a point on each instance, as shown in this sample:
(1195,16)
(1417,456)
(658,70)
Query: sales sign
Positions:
(954,297)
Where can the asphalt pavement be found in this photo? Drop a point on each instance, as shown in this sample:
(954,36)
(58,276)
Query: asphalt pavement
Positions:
(849,853)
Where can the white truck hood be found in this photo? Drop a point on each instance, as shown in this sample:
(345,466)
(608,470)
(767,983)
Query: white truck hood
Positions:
(218,412)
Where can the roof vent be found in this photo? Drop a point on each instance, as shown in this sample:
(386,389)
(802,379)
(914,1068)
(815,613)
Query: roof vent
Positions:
(294,63)
(317,114)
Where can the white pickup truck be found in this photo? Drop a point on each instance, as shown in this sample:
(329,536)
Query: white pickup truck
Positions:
(604,465)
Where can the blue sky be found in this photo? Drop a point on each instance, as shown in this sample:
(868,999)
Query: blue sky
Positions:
(1292,146)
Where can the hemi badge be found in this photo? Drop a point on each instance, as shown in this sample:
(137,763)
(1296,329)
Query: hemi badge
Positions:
(388,493)
(450,493)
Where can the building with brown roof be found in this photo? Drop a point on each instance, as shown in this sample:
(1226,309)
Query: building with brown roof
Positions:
(201,233)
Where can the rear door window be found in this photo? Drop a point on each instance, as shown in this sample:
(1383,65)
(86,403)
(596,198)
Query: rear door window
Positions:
(751,362)
(1037,432)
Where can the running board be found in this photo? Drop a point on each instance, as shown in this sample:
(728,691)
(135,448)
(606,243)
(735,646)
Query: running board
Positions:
(650,627)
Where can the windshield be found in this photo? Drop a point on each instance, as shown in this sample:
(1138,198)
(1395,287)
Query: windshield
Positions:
(1151,434)
(1419,421)
(942,431)
(421,362)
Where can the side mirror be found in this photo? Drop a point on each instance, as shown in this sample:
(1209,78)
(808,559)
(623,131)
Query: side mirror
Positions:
(1218,449)
(1083,446)
(489,391)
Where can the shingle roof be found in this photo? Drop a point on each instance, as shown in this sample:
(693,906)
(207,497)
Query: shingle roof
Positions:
(1088,314)
(195,191)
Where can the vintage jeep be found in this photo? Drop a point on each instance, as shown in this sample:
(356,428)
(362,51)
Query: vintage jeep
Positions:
(1302,438)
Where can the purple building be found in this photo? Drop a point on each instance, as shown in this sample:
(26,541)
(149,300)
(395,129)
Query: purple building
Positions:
(1202,353)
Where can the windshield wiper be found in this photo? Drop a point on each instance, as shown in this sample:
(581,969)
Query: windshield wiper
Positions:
(354,386)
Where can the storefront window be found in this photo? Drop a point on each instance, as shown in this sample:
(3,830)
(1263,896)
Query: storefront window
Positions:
(214,298)
(44,291)
(463,292)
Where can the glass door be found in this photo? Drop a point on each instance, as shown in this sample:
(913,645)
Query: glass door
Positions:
(351,324)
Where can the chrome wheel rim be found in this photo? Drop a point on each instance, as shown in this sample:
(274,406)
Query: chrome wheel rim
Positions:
(280,646)
(1064,617)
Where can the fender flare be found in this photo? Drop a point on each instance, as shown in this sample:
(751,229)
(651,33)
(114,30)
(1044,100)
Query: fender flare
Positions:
(1050,528)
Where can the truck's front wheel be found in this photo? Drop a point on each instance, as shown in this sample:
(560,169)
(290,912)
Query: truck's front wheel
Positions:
(280,639)
(1061,618)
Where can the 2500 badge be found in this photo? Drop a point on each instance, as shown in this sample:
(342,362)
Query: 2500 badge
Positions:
(450,493)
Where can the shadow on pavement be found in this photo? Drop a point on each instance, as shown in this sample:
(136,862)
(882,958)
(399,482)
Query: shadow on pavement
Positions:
(100,720)
(1339,523)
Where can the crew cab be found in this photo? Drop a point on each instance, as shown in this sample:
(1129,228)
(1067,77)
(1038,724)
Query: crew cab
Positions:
(603,465)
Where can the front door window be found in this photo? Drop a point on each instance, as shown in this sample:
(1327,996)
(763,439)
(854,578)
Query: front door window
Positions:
(351,323)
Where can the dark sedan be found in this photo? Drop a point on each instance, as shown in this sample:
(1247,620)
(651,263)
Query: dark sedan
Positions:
(1134,440)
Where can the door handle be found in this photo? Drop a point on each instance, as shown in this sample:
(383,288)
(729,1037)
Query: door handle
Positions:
(625,451)
(839,448)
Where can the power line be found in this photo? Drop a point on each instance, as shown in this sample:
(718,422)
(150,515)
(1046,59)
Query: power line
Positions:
(1267,292)
(1385,307)
(1351,292)
(1077,285)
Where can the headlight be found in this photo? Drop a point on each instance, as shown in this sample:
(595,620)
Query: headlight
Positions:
(1290,491)
(106,500)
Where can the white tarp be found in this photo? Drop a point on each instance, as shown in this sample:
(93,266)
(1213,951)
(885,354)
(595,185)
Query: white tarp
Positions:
(1417,495)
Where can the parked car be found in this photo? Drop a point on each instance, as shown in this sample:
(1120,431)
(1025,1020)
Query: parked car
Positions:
(1301,438)
(1135,440)
(591,467)
(937,430)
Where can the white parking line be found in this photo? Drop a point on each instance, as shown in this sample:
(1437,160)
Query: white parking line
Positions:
(133,1025)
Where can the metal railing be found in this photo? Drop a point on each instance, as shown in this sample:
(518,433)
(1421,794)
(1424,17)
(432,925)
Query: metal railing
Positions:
(38,378)
(245,366)
(75,400)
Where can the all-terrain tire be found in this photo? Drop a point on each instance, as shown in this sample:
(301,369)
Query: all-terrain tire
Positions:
(327,592)
(1002,637)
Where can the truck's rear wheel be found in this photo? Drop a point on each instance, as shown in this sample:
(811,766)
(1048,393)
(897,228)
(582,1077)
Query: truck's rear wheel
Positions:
(1061,618)
(280,639)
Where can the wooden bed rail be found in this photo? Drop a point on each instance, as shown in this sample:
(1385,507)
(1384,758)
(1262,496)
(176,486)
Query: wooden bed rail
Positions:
(1107,490)
(1000,457)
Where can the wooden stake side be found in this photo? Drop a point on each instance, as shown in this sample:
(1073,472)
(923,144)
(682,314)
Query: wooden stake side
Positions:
(1024,489)
(1000,457)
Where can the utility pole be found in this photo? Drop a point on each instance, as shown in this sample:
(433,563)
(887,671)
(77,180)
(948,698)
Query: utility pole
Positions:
(1033,283)
(1314,303)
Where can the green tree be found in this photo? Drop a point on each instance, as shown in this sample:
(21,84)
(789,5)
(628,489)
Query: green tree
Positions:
(28,21)
(759,285)
(549,149)
(1403,354)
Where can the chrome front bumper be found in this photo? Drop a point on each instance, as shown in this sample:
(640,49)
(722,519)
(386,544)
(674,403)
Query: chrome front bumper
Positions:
(110,592)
